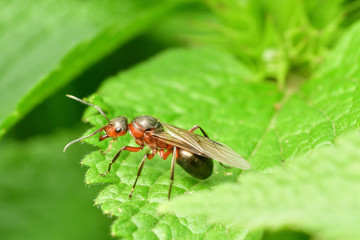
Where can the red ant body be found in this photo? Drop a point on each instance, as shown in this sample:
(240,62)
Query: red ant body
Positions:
(193,152)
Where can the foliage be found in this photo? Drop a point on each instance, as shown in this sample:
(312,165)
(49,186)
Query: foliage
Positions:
(276,83)
(278,38)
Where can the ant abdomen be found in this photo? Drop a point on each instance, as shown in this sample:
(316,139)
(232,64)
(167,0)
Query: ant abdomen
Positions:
(197,166)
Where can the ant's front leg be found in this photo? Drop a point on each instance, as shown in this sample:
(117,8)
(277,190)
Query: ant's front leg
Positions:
(110,146)
(126,148)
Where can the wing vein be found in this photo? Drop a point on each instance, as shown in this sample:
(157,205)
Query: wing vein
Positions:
(201,145)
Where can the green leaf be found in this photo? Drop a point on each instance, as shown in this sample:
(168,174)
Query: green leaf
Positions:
(48,43)
(207,87)
(318,194)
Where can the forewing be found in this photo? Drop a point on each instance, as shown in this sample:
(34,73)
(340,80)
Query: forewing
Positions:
(202,146)
(171,140)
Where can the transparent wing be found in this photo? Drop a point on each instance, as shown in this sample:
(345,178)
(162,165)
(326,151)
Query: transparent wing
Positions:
(201,145)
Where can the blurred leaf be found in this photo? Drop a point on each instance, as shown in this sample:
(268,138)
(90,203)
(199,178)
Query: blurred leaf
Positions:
(276,38)
(48,43)
(42,192)
(318,194)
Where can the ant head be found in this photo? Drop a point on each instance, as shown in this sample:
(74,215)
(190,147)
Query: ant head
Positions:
(115,128)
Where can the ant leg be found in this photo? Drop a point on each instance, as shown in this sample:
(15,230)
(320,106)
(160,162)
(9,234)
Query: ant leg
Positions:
(110,146)
(164,155)
(146,156)
(203,132)
(173,160)
(126,148)
(223,165)
(198,127)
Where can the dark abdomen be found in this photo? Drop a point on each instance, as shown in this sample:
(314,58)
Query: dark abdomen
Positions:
(195,165)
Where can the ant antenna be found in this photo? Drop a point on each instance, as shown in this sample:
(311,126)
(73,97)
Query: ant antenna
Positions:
(86,103)
(79,139)
(92,105)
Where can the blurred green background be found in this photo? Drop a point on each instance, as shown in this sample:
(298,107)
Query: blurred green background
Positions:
(50,49)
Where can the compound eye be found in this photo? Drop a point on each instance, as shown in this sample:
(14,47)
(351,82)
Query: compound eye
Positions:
(118,129)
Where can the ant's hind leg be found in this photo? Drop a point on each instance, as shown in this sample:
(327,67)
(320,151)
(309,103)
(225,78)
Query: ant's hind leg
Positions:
(203,132)
(223,165)
(173,160)
(198,127)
